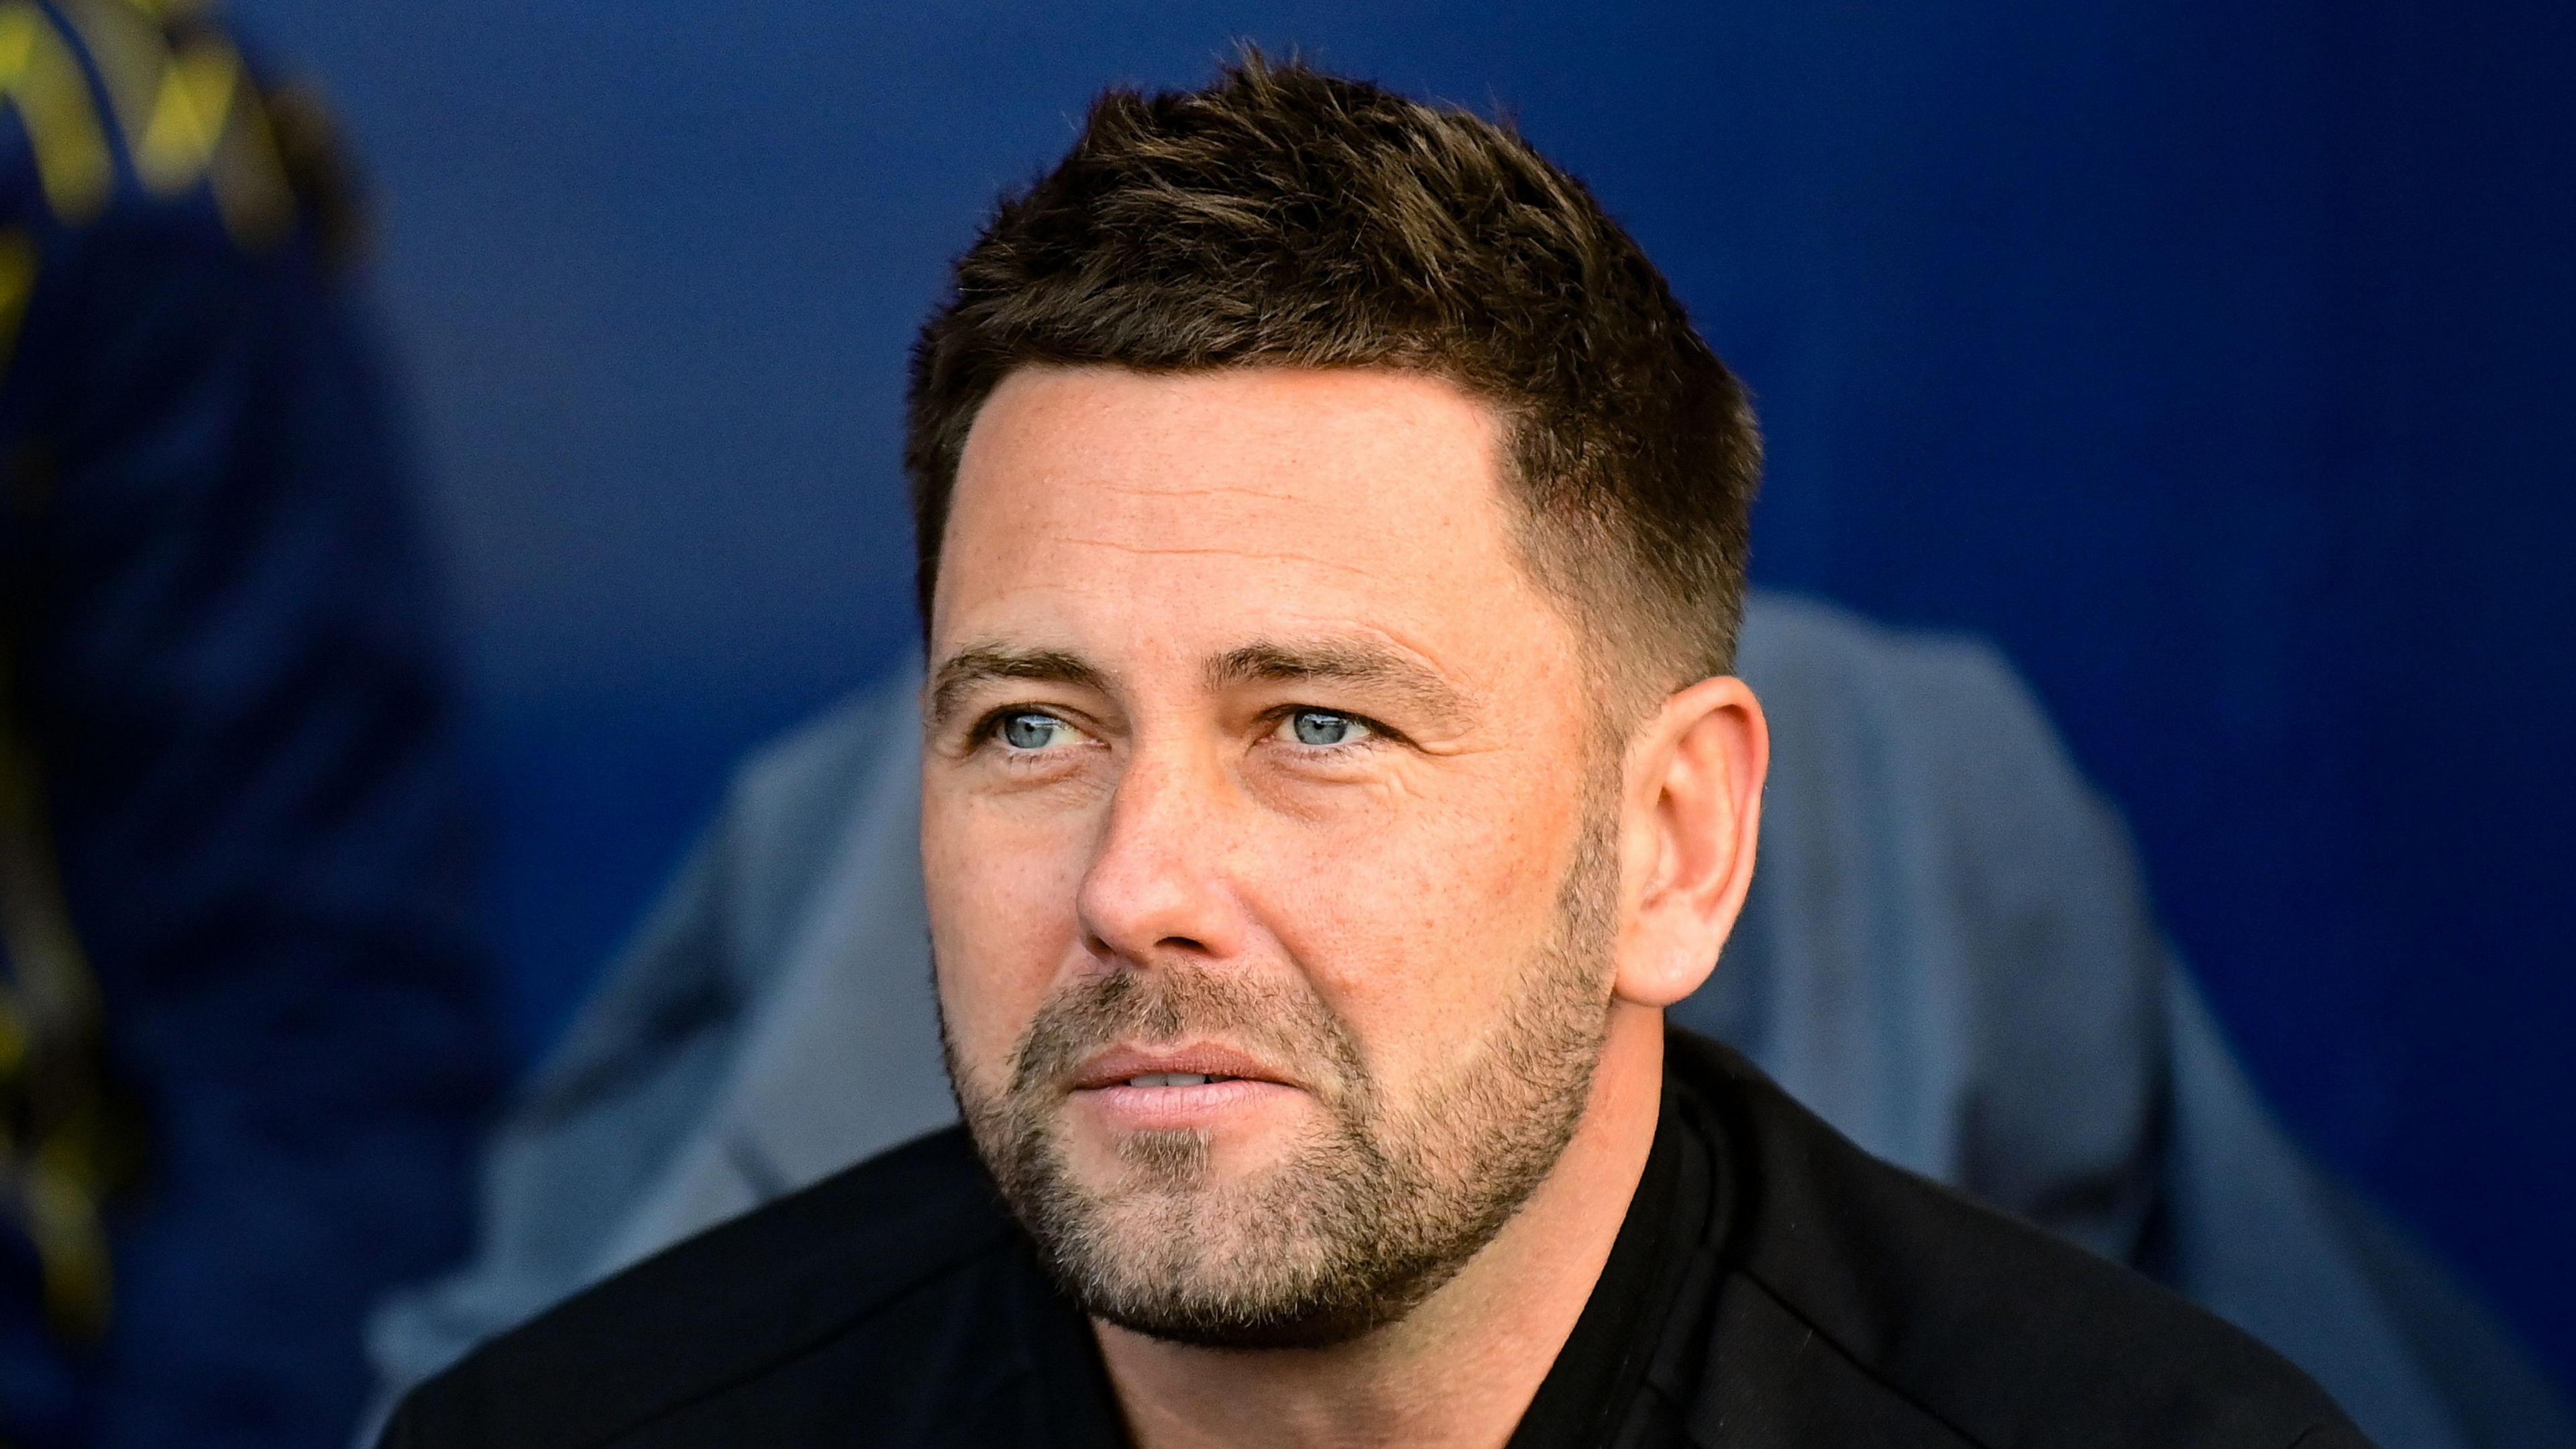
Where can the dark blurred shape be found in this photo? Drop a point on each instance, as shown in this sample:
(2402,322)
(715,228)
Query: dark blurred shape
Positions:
(244,1036)
(316,163)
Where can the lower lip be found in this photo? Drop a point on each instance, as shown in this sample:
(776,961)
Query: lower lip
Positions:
(1149,1108)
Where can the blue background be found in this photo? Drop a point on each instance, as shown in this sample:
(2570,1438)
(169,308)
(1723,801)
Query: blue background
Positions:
(2215,358)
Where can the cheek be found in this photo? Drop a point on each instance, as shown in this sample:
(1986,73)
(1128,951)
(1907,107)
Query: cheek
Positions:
(1001,891)
(1417,924)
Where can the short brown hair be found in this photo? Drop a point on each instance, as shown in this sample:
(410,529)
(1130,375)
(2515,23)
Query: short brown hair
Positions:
(1286,217)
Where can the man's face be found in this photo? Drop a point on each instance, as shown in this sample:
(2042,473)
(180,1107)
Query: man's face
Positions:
(1271,856)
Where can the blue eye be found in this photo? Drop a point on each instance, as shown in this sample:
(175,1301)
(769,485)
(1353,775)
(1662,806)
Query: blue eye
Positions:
(1026,731)
(1322,728)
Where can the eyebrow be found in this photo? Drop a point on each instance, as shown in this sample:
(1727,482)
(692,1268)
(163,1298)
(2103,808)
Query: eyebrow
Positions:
(968,669)
(1260,662)
(1341,662)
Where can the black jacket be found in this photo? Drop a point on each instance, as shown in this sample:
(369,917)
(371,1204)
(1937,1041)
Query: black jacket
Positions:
(1773,1286)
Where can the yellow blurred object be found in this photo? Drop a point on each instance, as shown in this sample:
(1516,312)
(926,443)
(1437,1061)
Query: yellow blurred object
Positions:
(42,80)
(189,112)
(57,1156)
(17,285)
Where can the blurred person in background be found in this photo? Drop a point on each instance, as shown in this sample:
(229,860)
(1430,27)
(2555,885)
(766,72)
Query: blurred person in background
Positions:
(244,1037)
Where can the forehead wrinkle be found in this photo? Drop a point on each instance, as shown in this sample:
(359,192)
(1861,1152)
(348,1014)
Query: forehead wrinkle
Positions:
(1158,492)
(1269,554)
(980,664)
(1342,661)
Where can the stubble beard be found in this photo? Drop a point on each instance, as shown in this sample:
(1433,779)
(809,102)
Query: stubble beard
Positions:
(1359,1222)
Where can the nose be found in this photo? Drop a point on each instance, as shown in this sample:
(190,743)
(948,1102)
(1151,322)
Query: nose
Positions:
(1156,887)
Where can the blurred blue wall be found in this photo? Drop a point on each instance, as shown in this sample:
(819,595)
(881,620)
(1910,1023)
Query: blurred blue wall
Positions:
(2215,358)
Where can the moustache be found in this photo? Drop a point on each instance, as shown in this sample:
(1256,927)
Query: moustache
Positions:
(1286,1027)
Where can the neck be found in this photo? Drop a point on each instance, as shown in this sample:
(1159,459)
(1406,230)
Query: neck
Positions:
(1459,1371)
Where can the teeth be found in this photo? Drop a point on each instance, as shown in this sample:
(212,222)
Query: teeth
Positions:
(1175,1079)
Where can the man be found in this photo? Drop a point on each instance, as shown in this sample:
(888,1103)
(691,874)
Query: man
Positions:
(1948,953)
(1332,540)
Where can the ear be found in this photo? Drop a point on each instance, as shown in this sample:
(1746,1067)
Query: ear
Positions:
(1692,807)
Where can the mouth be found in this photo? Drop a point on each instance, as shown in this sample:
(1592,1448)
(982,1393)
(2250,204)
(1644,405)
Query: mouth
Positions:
(1199,1087)
(1195,1065)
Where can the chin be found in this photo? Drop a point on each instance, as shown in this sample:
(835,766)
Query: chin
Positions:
(1176,1247)
(1209,1270)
